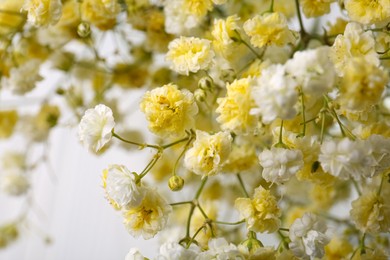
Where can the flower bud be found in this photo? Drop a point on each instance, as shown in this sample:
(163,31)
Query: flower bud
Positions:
(205,83)
(200,95)
(176,183)
(83,30)
(250,246)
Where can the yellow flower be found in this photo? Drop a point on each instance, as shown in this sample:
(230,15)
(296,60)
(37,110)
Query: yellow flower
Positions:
(150,217)
(338,248)
(9,21)
(368,11)
(242,158)
(8,120)
(354,43)
(315,8)
(223,31)
(198,8)
(323,196)
(101,13)
(234,109)
(269,29)
(338,27)
(261,213)
(362,85)
(256,68)
(189,54)
(208,153)
(43,12)
(371,213)
(170,111)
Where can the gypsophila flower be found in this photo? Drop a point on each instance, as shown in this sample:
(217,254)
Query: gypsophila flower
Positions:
(43,12)
(313,71)
(315,8)
(23,79)
(172,250)
(134,254)
(280,164)
(149,217)
(368,11)
(121,187)
(269,29)
(208,153)
(14,182)
(346,158)
(274,94)
(220,249)
(170,111)
(261,213)
(189,54)
(380,152)
(223,33)
(95,128)
(308,237)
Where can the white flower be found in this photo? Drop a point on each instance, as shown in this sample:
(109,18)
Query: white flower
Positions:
(280,164)
(23,79)
(308,237)
(189,54)
(121,187)
(172,250)
(134,254)
(149,217)
(312,70)
(220,249)
(274,94)
(95,127)
(380,152)
(43,12)
(14,182)
(346,158)
(209,153)
(177,20)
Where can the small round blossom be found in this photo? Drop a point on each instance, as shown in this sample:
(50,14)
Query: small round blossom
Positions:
(101,13)
(121,187)
(234,109)
(346,158)
(308,237)
(280,164)
(208,153)
(95,128)
(368,11)
(170,111)
(371,213)
(223,31)
(313,71)
(260,213)
(221,249)
(354,43)
(380,152)
(189,54)
(23,79)
(134,254)
(43,12)
(14,182)
(149,217)
(362,85)
(269,29)
(8,120)
(172,250)
(315,8)
(274,94)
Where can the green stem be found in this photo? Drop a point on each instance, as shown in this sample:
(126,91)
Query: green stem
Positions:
(271,8)
(251,49)
(242,185)
(150,165)
(356,187)
(381,184)
(284,239)
(204,180)
(202,211)
(181,154)
(181,203)
(284,229)
(303,32)
(189,220)
(135,143)
(303,112)
(194,236)
(229,223)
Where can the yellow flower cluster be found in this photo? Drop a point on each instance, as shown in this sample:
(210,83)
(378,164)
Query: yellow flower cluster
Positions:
(368,11)
(261,213)
(101,13)
(223,33)
(169,111)
(315,8)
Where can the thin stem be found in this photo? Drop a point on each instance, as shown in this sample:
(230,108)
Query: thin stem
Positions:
(303,32)
(284,229)
(271,8)
(251,49)
(150,165)
(194,236)
(135,143)
(284,239)
(303,112)
(322,127)
(202,211)
(189,220)
(175,142)
(204,180)
(181,203)
(381,185)
(229,223)
(242,185)
(356,187)
(181,155)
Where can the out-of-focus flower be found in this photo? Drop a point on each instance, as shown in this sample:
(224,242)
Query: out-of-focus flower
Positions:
(134,254)
(269,29)
(95,128)
(43,12)
(121,187)
(308,237)
(172,250)
(8,120)
(220,249)
(23,79)
(313,71)
(280,164)
(223,33)
(260,213)
(149,217)
(315,8)
(14,182)
(368,11)
(189,54)
(101,13)
(209,153)
(274,94)
(8,234)
(371,213)
(234,109)
(170,111)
